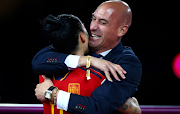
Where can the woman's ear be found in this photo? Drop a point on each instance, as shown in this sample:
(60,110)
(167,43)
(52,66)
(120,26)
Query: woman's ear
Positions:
(122,30)
(82,37)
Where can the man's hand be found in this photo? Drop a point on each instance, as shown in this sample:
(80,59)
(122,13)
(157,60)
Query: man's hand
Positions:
(41,88)
(131,106)
(106,66)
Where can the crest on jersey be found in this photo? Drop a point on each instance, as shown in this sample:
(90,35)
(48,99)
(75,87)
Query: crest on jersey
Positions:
(74,88)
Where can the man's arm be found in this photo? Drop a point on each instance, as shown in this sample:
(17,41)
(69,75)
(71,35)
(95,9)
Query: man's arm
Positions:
(48,61)
(110,95)
(131,106)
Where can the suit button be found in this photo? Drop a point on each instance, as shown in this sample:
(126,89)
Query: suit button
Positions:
(77,107)
(83,108)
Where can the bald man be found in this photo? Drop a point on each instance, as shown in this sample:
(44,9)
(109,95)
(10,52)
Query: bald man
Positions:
(110,22)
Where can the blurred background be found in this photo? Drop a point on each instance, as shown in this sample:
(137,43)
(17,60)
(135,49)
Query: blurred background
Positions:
(153,36)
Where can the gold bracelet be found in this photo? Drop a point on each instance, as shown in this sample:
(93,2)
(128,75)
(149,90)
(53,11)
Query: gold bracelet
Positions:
(88,66)
(55,98)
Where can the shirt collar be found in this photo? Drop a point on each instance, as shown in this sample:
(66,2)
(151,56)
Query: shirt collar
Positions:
(105,53)
(114,52)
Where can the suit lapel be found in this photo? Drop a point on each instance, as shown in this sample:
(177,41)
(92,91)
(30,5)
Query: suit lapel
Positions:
(115,51)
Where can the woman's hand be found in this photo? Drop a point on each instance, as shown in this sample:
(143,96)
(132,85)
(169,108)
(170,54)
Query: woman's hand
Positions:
(108,67)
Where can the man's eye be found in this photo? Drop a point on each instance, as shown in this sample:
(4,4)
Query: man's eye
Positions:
(103,22)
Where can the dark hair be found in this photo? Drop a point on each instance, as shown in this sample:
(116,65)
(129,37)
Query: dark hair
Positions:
(63,31)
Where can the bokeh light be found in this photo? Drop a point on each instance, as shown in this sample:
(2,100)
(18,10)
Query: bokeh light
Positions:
(176,65)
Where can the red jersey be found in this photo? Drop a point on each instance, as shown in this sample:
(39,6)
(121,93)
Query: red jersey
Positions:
(74,82)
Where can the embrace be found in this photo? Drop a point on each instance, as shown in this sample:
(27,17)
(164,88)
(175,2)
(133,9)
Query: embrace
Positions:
(93,73)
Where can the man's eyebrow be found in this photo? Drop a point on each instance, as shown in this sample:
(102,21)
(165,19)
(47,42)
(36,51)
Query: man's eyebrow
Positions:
(104,20)
(100,19)
(92,14)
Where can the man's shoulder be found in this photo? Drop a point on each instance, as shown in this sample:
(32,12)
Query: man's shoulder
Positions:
(127,50)
(120,52)
(129,53)
(49,48)
(126,54)
(46,49)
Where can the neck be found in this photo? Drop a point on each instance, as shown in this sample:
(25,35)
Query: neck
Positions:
(79,52)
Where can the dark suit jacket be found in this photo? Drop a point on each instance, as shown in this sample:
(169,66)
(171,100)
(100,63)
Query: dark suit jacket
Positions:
(109,96)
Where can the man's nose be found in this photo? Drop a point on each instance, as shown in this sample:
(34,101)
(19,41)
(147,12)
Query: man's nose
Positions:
(94,25)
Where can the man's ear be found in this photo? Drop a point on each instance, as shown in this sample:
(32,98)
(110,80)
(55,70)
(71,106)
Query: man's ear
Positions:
(122,30)
(82,37)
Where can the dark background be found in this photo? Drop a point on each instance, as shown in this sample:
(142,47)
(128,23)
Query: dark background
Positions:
(153,36)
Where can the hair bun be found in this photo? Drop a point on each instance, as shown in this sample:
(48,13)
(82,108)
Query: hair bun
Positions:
(52,23)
